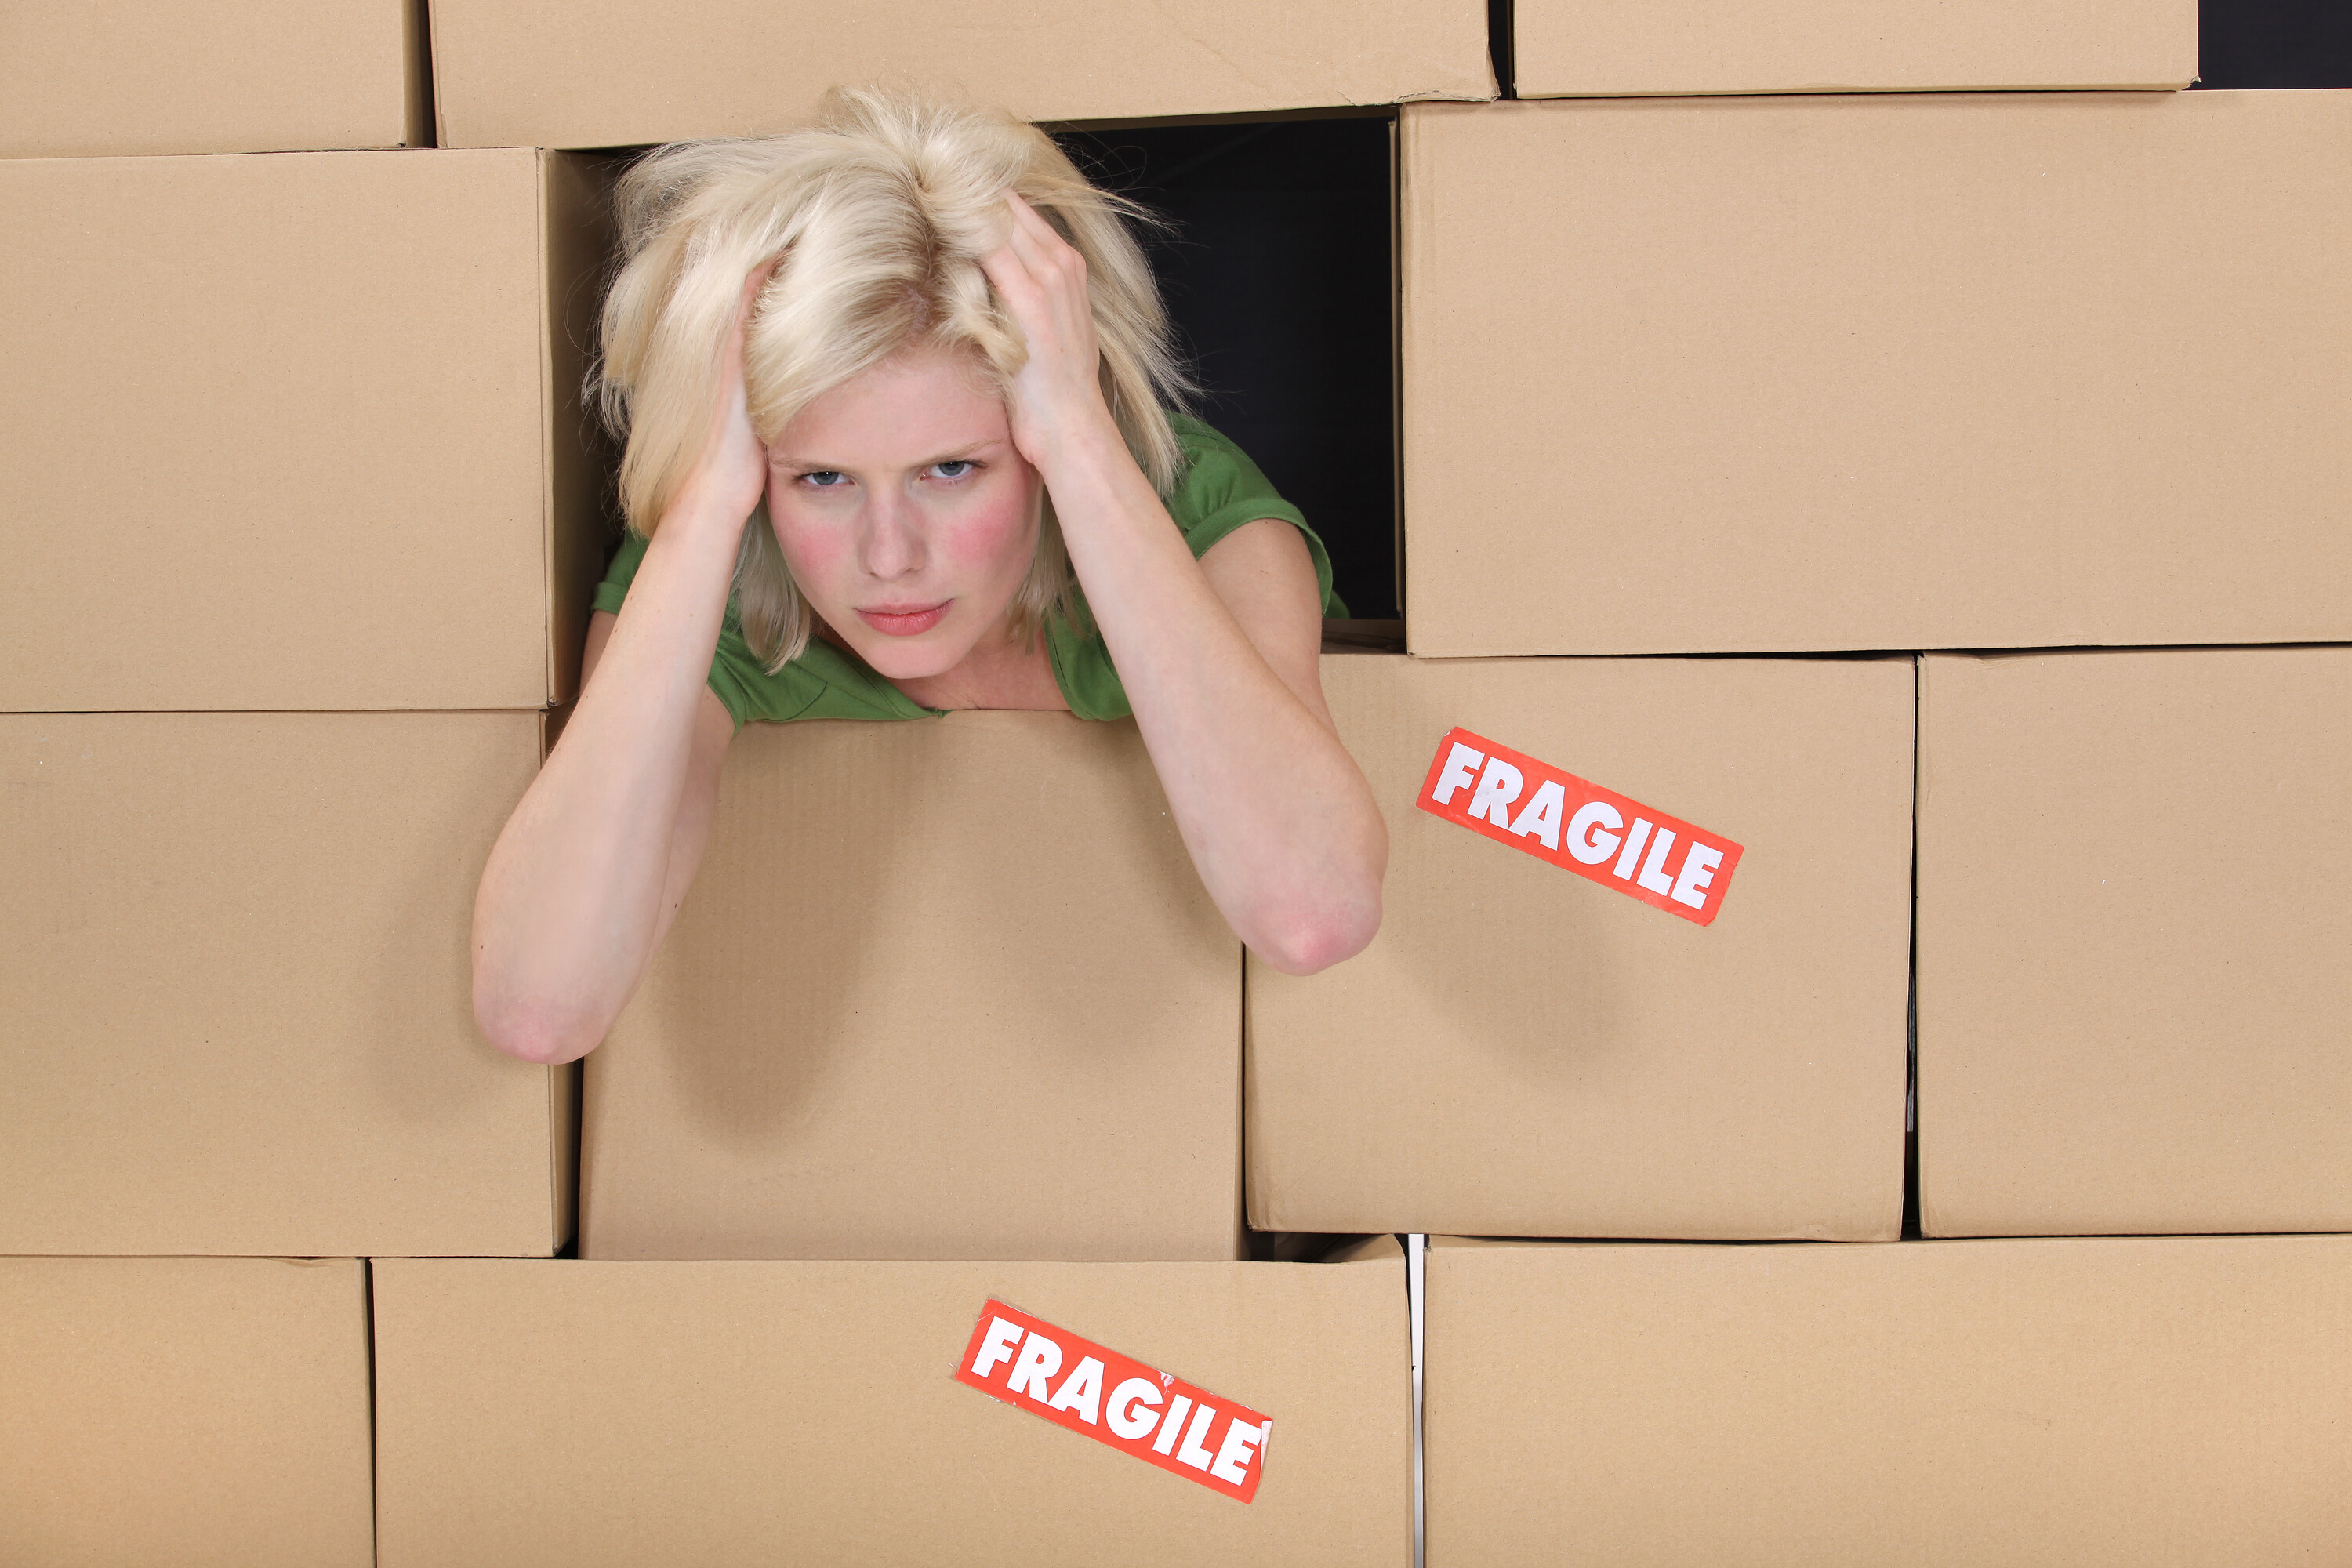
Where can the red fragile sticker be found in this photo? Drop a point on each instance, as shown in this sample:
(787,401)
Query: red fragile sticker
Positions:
(1031,1364)
(1578,826)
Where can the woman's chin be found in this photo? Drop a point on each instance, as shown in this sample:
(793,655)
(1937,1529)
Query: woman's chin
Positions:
(910,658)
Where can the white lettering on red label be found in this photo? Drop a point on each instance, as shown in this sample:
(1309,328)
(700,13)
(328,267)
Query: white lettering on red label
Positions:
(1157,1418)
(1578,826)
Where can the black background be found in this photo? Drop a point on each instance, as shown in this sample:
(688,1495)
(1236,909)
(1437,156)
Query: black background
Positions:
(1277,275)
(2275,43)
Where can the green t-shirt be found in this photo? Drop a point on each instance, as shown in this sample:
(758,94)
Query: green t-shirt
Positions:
(1218,491)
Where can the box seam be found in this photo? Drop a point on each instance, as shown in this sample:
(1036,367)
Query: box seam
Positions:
(549,323)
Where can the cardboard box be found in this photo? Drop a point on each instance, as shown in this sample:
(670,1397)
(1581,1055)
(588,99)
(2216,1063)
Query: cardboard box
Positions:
(948,989)
(1607,49)
(297,432)
(1522,1051)
(238,992)
(607,73)
(108,77)
(584,1414)
(2133,921)
(186,1410)
(2057,1404)
(1775,373)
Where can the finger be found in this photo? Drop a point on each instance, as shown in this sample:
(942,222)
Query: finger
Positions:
(1062,254)
(1015,283)
(1043,241)
(1025,217)
(1057,278)
(1013,227)
(753,284)
(1021,243)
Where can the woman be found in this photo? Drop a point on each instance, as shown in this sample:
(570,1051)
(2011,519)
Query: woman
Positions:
(885,383)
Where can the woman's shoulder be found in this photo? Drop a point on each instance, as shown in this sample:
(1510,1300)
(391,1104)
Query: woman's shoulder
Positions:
(1197,439)
(1219,487)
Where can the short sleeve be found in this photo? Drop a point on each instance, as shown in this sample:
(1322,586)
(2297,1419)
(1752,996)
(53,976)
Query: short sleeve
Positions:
(622,572)
(1220,489)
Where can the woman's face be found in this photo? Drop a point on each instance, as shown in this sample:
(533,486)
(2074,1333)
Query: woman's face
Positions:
(908,517)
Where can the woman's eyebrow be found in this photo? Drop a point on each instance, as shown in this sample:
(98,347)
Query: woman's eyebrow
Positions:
(956,453)
(963,450)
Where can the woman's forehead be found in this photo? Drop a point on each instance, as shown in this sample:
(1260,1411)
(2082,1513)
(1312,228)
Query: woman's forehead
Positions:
(911,408)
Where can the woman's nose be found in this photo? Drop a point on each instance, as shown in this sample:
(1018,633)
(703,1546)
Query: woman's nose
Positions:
(894,537)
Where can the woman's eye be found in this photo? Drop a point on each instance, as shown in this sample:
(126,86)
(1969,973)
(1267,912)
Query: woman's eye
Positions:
(953,469)
(824,479)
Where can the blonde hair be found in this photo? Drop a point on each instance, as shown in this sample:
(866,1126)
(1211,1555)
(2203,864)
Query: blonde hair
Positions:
(880,214)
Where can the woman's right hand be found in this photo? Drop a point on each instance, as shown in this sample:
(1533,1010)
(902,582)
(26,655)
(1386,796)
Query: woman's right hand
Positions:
(731,475)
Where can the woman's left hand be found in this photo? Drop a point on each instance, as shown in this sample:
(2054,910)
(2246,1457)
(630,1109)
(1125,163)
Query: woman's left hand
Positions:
(1219,657)
(1058,396)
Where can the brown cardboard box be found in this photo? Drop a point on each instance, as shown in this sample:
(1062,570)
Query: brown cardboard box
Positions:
(237,992)
(1971,371)
(948,989)
(2059,1404)
(2134,908)
(1523,1052)
(296,432)
(584,1414)
(97,77)
(207,1411)
(607,73)
(1608,49)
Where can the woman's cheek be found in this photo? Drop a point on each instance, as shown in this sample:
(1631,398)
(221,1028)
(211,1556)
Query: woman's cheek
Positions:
(817,554)
(995,539)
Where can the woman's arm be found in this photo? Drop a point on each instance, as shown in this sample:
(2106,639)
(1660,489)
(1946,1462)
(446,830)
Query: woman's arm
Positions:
(560,932)
(592,864)
(1220,657)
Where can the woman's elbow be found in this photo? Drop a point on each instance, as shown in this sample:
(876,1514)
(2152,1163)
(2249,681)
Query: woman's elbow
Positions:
(1310,940)
(547,1036)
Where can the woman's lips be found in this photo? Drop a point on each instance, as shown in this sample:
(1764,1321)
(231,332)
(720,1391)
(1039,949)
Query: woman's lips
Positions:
(905,620)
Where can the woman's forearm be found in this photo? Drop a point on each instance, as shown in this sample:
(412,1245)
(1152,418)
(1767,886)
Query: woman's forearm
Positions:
(572,900)
(1278,817)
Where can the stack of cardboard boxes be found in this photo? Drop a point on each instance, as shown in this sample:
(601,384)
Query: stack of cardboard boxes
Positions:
(298,511)
(2058,378)
(1724,419)
(305,508)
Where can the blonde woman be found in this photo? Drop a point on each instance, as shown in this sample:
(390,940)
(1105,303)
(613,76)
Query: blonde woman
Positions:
(897,399)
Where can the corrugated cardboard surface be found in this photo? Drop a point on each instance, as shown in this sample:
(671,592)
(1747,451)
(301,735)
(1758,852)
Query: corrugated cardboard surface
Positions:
(2135,913)
(2054,1403)
(287,432)
(584,1414)
(607,73)
(1521,1051)
(109,78)
(207,1412)
(1606,48)
(1769,374)
(944,989)
(237,989)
